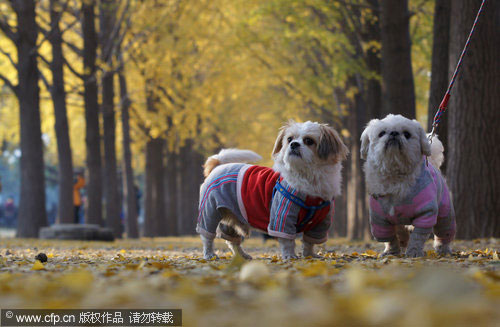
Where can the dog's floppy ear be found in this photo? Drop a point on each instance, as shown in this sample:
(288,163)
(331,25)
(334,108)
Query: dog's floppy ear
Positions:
(365,139)
(425,145)
(279,140)
(330,143)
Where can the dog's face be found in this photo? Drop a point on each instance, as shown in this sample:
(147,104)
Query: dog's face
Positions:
(300,145)
(395,142)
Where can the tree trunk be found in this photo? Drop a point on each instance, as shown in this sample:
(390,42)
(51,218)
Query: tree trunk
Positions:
(93,210)
(107,23)
(65,211)
(439,75)
(191,177)
(339,226)
(171,194)
(32,213)
(129,192)
(374,64)
(356,197)
(473,152)
(149,224)
(154,220)
(397,88)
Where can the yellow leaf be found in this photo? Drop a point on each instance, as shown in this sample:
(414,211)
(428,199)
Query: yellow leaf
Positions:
(315,269)
(38,266)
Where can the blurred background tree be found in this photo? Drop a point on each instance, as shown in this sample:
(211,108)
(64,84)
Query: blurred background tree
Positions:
(137,93)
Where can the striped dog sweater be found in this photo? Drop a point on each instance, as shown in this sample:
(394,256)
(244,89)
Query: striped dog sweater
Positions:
(428,208)
(260,197)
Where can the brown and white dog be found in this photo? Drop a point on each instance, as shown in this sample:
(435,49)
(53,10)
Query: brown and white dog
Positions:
(295,196)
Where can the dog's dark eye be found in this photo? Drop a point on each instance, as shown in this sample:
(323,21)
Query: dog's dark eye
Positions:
(289,139)
(308,141)
(381,134)
(407,134)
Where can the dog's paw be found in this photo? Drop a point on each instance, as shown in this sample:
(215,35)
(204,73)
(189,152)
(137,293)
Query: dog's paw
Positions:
(289,256)
(311,255)
(414,253)
(388,253)
(443,249)
(210,256)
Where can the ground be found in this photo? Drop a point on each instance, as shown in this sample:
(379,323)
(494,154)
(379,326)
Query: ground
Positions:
(350,286)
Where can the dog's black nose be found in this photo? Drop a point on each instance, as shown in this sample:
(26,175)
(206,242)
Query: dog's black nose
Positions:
(394,134)
(294,145)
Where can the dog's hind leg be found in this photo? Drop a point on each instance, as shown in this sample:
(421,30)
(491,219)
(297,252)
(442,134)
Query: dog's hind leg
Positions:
(233,232)
(208,248)
(403,233)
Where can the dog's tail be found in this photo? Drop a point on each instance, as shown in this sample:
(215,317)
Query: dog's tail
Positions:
(437,152)
(229,156)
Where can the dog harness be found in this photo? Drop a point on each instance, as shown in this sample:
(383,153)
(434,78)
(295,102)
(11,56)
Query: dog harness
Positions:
(311,210)
(260,197)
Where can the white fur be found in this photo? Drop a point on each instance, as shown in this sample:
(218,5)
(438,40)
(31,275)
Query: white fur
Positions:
(437,152)
(308,174)
(236,155)
(393,169)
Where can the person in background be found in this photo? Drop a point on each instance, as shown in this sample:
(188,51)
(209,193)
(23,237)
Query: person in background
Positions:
(138,196)
(78,183)
(10,212)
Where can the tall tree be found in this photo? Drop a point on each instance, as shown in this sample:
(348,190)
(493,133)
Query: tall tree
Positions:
(397,76)
(171,193)
(154,218)
(439,72)
(32,213)
(108,43)
(65,212)
(93,211)
(190,179)
(129,191)
(473,153)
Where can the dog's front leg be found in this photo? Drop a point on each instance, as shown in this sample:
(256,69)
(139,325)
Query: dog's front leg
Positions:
(287,248)
(416,244)
(308,250)
(442,248)
(392,247)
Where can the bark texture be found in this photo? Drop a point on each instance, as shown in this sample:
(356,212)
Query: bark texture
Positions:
(190,179)
(65,211)
(129,192)
(154,217)
(397,76)
(439,73)
(112,196)
(32,215)
(473,172)
(171,191)
(93,210)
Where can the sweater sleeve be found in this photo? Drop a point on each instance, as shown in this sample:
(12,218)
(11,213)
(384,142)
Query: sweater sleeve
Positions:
(319,233)
(283,216)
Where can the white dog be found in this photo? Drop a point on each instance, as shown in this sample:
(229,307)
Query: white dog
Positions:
(404,188)
(295,196)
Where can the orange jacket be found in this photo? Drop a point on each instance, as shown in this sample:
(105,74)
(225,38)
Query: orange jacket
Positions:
(77,198)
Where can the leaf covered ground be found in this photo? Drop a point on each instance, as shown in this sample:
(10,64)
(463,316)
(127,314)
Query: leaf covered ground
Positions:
(351,286)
